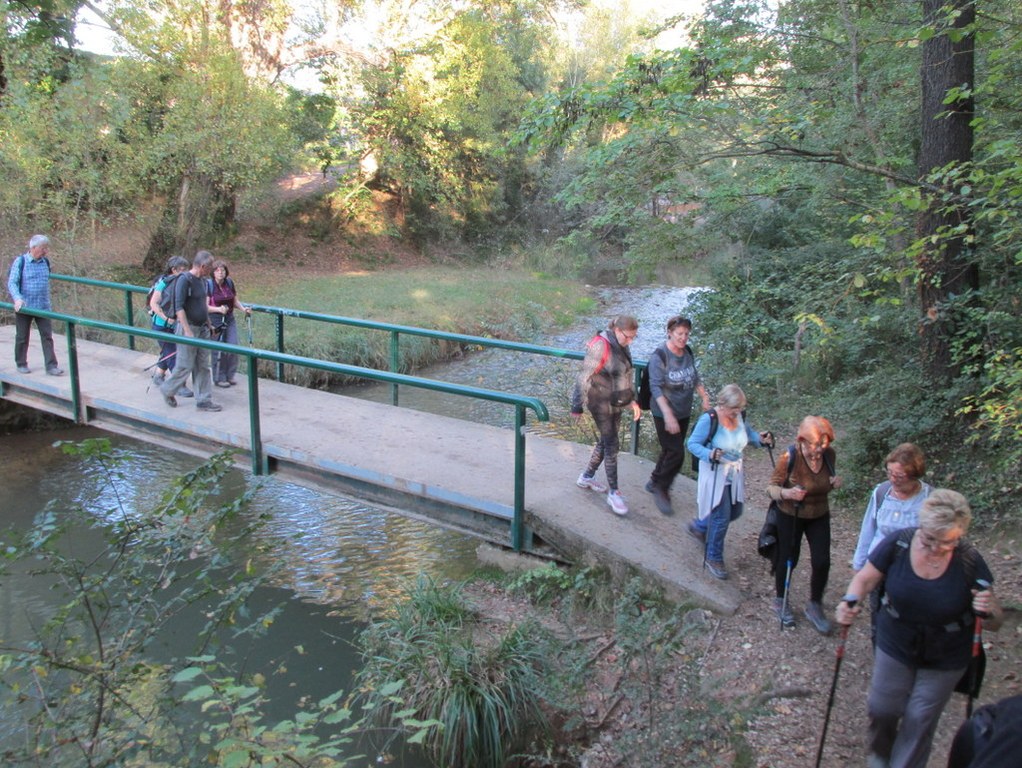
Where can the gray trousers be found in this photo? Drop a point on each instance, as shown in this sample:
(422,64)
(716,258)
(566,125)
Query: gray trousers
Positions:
(191,360)
(22,327)
(904,707)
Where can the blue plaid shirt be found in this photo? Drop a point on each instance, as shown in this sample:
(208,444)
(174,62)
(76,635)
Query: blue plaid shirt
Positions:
(31,285)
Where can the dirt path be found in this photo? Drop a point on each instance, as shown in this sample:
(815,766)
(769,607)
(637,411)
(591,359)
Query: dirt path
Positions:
(747,658)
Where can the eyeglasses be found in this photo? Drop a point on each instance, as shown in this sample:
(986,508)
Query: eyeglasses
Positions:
(930,541)
(897,477)
(629,336)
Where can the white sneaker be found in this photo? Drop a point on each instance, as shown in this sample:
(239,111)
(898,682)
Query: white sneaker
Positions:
(591,483)
(617,503)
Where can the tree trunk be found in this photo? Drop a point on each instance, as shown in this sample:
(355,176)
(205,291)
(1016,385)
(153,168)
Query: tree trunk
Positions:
(947,268)
(198,216)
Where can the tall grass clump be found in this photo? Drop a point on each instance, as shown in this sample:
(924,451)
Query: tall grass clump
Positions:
(430,663)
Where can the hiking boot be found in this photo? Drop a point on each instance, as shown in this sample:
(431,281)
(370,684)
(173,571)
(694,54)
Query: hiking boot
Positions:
(717,569)
(158,379)
(185,392)
(617,503)
(814,612)
(209,405)
(170,400)
(662,500)
(24,369)
(695,533)
(784,614)
(591,483)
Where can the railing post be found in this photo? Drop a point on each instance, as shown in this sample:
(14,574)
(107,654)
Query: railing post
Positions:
(129,313)
(72,371)
(518,521)
(259,465)
(395,363)
(278,324)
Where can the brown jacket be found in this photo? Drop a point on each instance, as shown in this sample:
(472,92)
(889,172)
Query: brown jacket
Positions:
(817,485)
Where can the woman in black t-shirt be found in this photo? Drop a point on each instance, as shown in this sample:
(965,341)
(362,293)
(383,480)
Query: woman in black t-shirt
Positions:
(932,594)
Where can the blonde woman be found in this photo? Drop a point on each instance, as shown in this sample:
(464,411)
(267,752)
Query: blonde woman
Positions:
(935,584)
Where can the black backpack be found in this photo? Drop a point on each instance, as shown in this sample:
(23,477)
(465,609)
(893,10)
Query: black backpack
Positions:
(166,296)
(714,423)
(645,395)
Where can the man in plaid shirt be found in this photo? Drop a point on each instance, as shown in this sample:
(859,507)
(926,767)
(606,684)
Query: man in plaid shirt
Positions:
(29,286)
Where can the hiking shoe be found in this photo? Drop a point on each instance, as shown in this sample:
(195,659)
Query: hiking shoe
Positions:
(716,569)
(784,614)
(661,498)
(185,392)
(170,400)
(814,612)
(232,382)
(617,503)
(158,379)
(24,369)
(695,533)
(55,371)
(222,384)
(209,405)
(591,483)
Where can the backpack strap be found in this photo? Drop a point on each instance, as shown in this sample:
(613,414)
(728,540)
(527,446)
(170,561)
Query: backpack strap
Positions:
(791,463)
(606,351)
(879,494)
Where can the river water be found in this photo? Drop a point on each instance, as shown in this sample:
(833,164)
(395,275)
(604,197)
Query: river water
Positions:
(344,560)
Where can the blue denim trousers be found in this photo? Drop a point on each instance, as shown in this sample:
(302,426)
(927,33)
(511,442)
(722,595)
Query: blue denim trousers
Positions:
(716,524)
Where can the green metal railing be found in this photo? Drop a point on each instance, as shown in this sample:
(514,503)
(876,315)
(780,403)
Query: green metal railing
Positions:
(395,331)
(260,465)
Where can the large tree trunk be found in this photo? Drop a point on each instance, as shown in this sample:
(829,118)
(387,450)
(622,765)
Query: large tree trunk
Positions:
(196,218)
(946,265)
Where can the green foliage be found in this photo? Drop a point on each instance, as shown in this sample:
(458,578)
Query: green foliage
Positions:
(84,689)
(471,694)
(550,583)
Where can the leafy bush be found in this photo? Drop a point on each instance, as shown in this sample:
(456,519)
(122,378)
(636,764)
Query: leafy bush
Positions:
(472,693)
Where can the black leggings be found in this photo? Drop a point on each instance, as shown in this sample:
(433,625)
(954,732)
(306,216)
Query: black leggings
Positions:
(608,422)
(817,533)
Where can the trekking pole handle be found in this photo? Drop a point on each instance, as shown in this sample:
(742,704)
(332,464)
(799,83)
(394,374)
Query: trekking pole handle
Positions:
(850,600)
(982,585)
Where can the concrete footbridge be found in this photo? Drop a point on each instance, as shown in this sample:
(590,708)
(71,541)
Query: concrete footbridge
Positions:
(511,487)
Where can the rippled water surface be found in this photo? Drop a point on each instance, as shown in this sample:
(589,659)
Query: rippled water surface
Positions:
(342,559)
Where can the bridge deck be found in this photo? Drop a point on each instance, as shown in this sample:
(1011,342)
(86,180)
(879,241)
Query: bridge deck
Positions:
(456,472)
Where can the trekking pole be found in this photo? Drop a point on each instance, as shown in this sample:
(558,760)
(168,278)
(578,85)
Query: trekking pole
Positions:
(851,600)
(713,495)
(977,645)
(770,452)
(248,319)
(162,359)
(791,557)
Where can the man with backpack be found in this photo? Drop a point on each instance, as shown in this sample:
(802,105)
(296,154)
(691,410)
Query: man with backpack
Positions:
(192,321)
(29,286)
